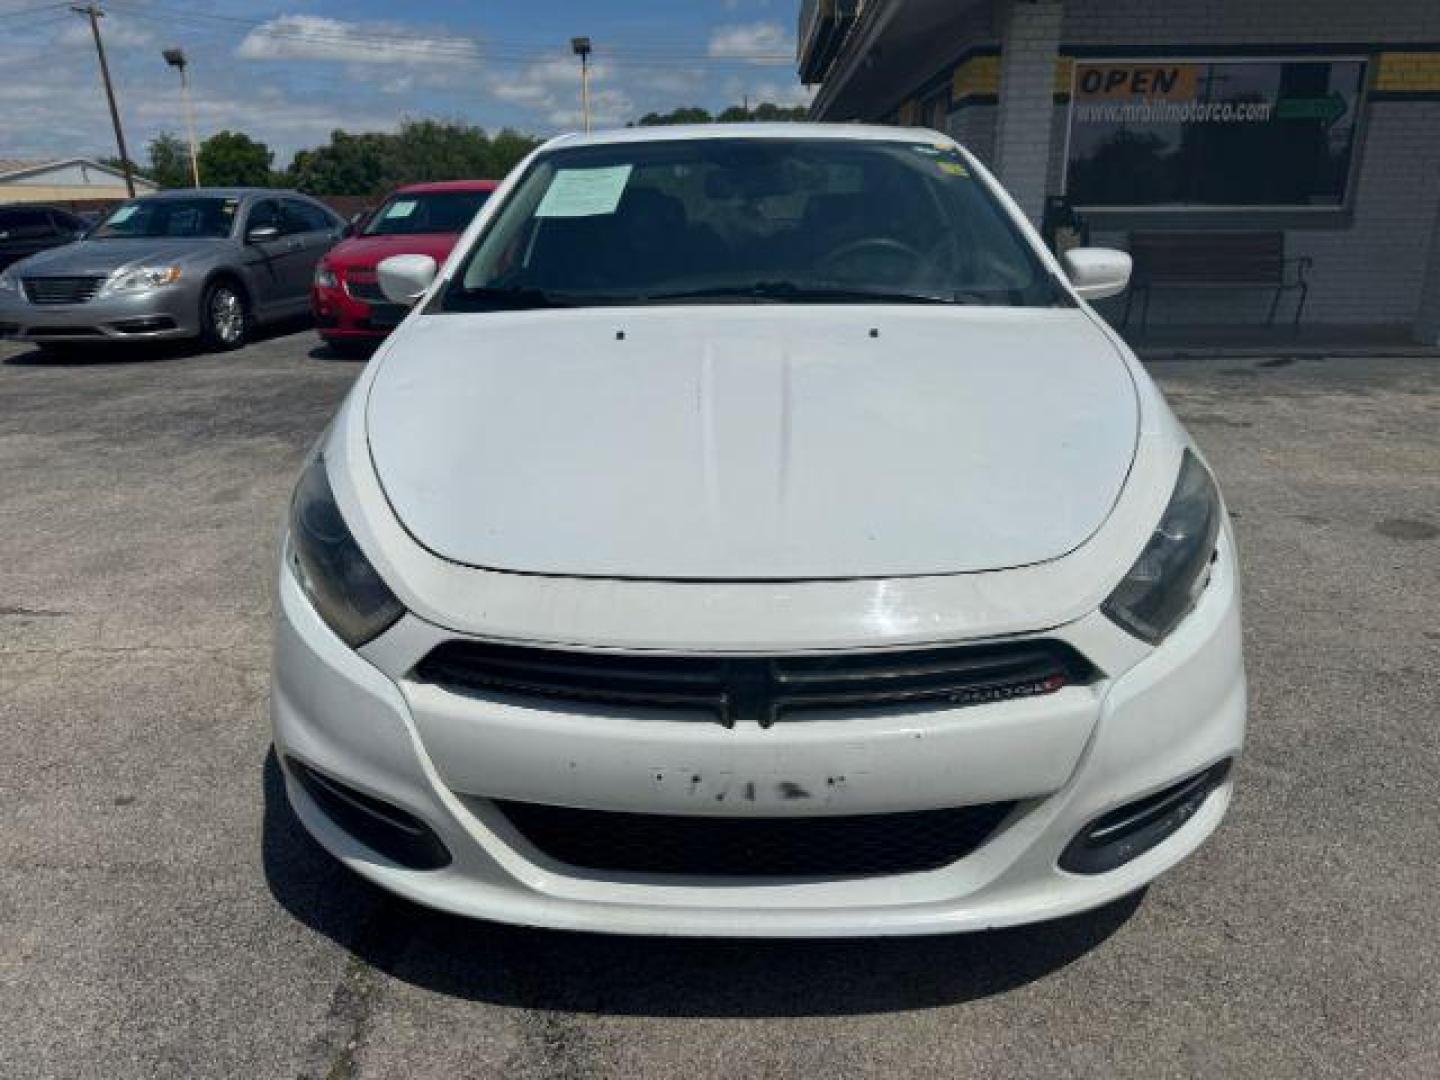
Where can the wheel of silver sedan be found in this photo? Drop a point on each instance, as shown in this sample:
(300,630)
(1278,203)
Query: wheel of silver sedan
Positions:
(224,316)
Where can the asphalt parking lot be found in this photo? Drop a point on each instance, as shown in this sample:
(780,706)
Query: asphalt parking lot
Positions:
(162,915)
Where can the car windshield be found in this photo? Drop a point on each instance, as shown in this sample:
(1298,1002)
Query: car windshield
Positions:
(751,220)
(426,212)
(209,218)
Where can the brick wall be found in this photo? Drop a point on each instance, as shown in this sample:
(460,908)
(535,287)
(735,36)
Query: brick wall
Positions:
(1030,34)
(1248,22)
(1369,273)
(974,128)
(1370,266)
(1427,326)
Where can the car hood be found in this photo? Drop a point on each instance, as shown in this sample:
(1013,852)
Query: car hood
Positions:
(101,257)
(747,443)
(363,252)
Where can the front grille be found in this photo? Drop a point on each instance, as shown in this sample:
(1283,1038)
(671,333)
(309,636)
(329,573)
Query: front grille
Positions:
(62,290)
(762,690)
(366,289)
(815,847)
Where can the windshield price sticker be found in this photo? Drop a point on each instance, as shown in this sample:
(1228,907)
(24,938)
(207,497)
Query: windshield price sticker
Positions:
(125,213)
(401,208)
(584,192)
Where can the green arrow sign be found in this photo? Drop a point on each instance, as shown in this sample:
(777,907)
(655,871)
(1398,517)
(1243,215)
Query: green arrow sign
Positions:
(1328,109)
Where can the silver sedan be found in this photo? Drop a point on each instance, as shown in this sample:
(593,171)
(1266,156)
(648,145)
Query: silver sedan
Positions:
(210,263)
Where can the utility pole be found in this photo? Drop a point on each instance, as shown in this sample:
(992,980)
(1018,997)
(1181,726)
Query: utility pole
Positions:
(176,59)
(95,15)
(581,47)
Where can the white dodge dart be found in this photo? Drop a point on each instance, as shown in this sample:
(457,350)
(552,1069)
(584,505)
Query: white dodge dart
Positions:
(753,531)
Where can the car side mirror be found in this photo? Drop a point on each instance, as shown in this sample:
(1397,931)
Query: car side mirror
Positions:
(262,234)
(404,278)
(1097,272)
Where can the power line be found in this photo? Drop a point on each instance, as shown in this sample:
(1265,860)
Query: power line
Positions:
(451,49)
(268,25)
(19,12)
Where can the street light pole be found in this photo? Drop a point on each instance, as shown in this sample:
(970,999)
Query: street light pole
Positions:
(176,59)
(95,15)
(581,47)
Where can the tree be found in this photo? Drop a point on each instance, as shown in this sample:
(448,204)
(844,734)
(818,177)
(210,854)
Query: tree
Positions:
(686,114)
(693,114)
(508,149)
(169,161)
(374,162)
(765,112)
(233,159)
(347,165)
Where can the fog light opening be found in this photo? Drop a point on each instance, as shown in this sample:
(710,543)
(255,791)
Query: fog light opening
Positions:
(1126,833)
(386,829)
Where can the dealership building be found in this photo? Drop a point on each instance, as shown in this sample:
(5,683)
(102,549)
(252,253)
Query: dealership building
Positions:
(1262,159)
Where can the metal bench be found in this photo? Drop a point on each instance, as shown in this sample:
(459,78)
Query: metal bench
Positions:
(1215,260)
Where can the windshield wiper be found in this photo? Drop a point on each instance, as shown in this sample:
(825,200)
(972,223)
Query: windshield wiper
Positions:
(510,298)
(790,292)
(527,298)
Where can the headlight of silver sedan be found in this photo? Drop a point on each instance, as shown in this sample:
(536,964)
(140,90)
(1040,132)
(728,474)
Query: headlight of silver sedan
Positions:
(141,278)
(1171,572)
(340,582)
(8,284)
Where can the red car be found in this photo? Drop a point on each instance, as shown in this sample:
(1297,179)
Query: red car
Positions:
(420,219)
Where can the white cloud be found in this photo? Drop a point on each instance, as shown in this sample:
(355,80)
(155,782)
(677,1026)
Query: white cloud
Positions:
(768,90)
(551,88)
(608,108)
(116,32)
(315,37)
(758,42)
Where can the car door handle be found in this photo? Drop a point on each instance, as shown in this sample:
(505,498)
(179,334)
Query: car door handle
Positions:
(294,245)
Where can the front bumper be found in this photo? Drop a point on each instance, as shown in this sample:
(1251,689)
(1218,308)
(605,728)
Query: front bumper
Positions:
(340,317)
(1066,758)
(170,312)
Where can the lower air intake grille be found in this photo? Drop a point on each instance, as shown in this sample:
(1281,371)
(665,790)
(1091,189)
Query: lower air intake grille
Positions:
(61,290)
(759,689)
(816,847)
(366,289)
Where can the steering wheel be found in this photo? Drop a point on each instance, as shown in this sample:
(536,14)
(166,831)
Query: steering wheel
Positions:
(879,245)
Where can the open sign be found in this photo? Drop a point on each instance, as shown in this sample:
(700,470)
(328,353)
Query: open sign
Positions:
(1144,80)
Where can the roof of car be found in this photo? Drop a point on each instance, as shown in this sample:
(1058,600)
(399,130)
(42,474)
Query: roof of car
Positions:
(672,132)
(447,185)
(219,192)
(38,206)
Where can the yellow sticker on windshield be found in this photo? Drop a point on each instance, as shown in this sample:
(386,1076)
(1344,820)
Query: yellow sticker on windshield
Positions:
(954,168)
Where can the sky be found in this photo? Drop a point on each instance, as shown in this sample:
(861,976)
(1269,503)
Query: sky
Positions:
(288,72)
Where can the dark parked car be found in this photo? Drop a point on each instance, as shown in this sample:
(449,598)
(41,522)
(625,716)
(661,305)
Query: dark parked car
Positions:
(28,228)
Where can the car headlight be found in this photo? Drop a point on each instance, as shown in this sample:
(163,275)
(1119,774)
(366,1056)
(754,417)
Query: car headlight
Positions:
(336,576)
(325,278)
(1171,572)
(142,278)
(9,284)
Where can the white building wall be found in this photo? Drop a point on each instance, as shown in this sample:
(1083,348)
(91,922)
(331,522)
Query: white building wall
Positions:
(1029,39)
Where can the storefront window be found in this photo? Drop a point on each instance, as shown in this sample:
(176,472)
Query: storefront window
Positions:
(1224,134)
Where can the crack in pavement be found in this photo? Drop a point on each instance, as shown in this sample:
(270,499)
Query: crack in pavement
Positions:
(352,1002)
